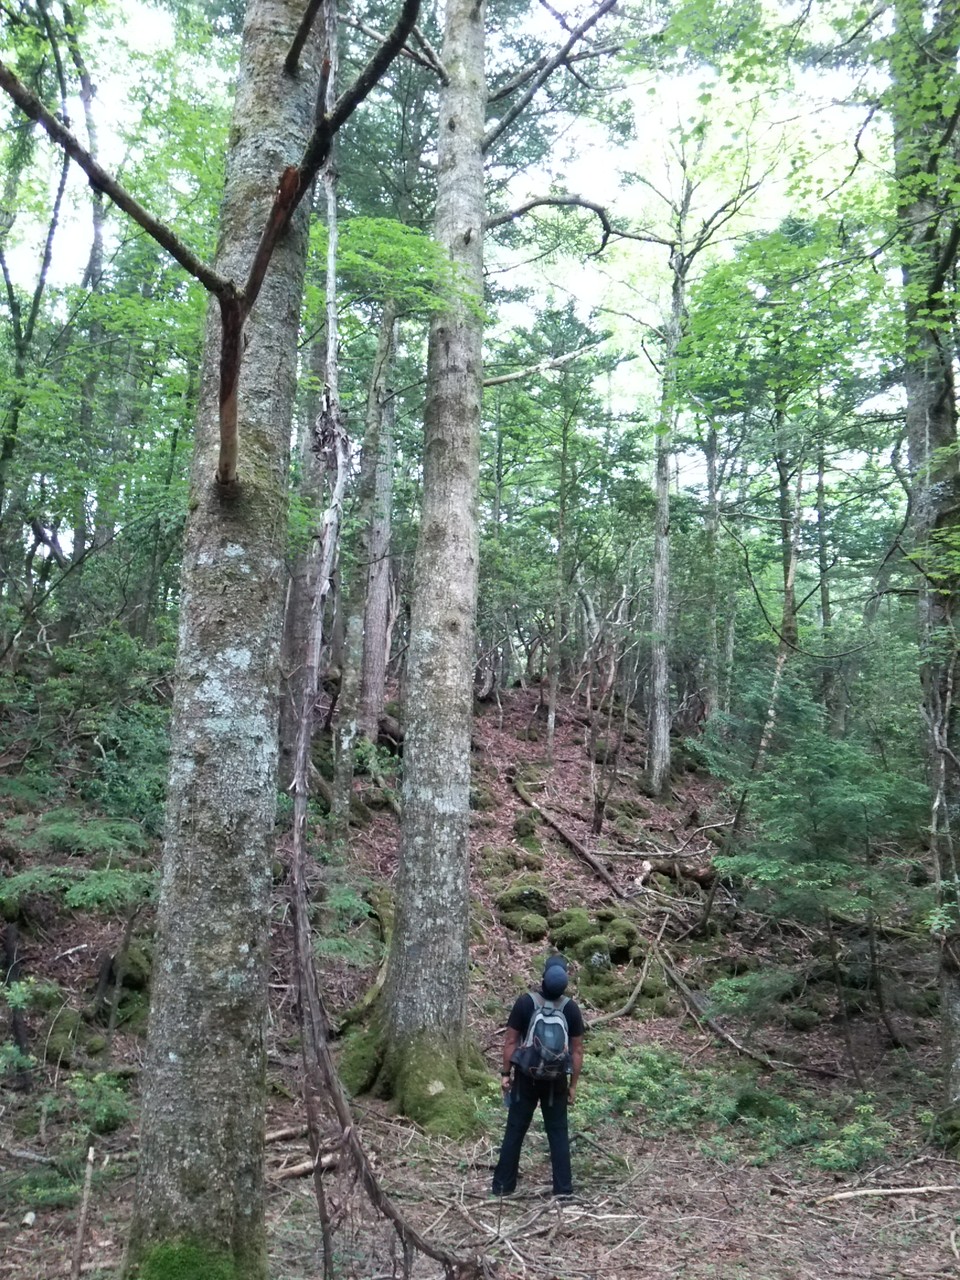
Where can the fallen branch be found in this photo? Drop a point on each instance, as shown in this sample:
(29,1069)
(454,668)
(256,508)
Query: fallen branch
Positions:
(306,1167)
(76,1266)
(571,841)
(696,1008)
(888,1191)
(283,1135)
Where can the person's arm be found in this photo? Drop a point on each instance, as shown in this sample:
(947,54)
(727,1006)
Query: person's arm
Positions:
(510,1042)
(576,1066)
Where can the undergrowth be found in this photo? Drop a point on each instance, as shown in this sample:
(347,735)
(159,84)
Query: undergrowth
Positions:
(730,1113)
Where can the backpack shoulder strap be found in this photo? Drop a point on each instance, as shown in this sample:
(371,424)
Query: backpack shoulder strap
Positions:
(562,1003)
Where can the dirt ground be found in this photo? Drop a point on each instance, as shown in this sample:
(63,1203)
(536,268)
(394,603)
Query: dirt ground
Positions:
(651,1204)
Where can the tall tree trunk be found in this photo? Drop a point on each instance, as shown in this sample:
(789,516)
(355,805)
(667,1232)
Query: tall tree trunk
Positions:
(711,666)
(426,981)
(658,761)
(200,1183)
(559,593)
(926,111)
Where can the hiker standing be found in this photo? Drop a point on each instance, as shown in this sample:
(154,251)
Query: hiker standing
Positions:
(543,1046)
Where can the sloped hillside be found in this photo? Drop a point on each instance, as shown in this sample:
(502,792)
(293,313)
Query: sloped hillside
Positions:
(741,1077)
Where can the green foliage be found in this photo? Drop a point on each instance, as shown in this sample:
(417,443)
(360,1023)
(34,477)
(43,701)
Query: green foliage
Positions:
(186,1261)
(344,928)
(69,831)
(659,1092)
(754,994)
(830,820)
(13,1060)
(110,890)
(101,1101)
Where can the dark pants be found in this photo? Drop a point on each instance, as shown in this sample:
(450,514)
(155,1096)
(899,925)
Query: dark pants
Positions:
(552,1097)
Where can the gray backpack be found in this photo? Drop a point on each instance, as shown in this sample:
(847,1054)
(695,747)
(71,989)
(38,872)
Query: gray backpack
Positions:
(544,1053)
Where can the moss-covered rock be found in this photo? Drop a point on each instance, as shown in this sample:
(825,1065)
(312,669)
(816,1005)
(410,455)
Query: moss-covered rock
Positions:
(136,966)
(622,935)
(594,953)
(529,857)
(525,894)
(60,1036)
(603,988)
(568,928)
(132,1012)
(802,1019)
(530,734)
(530,926)
(525,825)
(482,798)
(654,986)
(631,808)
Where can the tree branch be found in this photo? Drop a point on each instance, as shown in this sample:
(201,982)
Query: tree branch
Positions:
(578,202)
(292,60)
(101,180)
(508,117)
(500,379)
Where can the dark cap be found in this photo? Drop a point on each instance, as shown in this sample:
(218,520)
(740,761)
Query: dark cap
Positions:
(554,977)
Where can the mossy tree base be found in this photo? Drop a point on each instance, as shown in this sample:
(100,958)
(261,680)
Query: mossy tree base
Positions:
(190,1260)
(430,1081)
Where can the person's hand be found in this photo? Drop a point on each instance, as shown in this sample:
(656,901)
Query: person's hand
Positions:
(505,1083)
(571,1094)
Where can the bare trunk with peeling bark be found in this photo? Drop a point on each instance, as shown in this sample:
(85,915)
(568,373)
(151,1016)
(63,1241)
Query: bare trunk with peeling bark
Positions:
(201,1152)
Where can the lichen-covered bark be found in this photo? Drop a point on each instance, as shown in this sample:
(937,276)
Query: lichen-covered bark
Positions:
(427,974)
(201,1152)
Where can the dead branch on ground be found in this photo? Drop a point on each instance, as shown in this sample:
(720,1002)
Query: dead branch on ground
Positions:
(571,841)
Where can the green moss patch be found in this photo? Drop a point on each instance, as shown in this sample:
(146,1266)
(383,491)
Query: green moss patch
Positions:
(526,895)
(569,928)
(186,1262)
(530,926)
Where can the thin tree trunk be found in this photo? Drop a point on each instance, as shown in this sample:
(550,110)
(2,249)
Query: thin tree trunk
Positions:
(376,481)
(658,763)
(711,666)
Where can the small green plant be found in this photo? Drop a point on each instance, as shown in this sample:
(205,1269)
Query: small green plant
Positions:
(101,1102)
(864,1139)
(13,1060)
(730,1113)
(110,890)
(345,927)
(755,994)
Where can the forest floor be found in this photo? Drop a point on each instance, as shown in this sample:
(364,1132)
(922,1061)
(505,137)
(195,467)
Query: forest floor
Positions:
(691,1159)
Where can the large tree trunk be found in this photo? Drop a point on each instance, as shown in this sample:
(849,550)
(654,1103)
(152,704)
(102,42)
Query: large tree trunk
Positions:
(201,1153)
(926,109)
(426,984)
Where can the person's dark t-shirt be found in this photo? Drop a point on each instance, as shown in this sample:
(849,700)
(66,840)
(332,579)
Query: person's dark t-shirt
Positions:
(522,1012)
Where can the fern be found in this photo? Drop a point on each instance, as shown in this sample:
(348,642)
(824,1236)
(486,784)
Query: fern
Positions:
(110,890)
